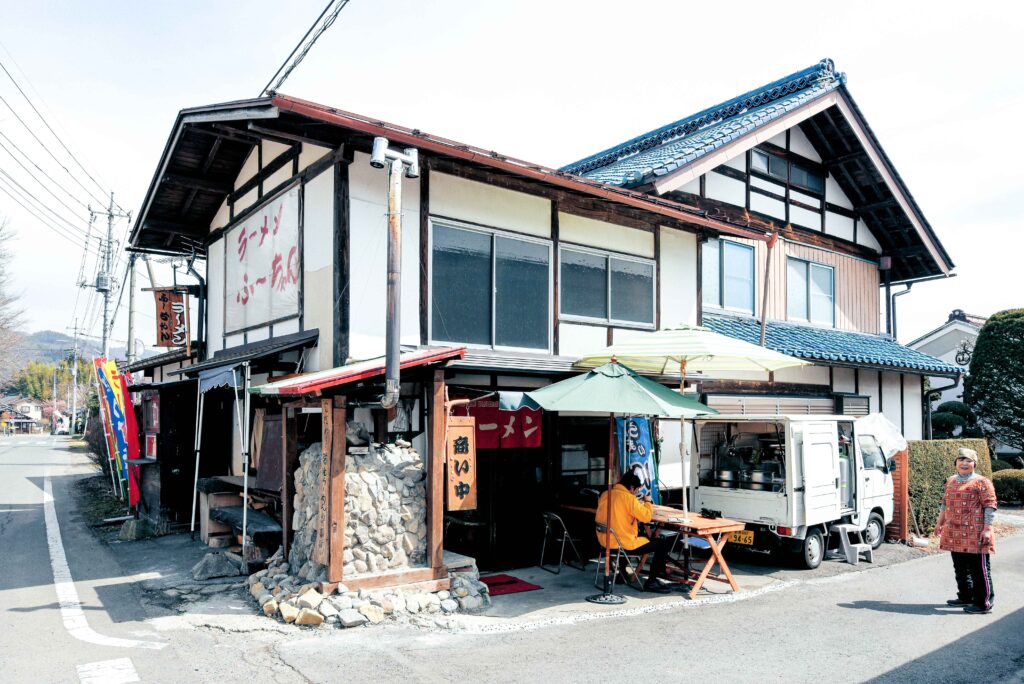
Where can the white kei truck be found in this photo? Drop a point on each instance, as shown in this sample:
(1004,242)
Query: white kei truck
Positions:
(791,479)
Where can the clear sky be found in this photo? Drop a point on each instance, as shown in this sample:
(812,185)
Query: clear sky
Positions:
(548,82)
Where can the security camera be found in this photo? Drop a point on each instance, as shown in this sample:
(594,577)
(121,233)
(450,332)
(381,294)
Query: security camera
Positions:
(378,158)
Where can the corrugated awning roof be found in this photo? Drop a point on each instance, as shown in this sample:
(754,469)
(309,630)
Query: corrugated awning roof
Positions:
(314,383)
(253,350)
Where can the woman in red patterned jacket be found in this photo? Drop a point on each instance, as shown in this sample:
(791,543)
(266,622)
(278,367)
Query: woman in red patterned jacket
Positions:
(965,529)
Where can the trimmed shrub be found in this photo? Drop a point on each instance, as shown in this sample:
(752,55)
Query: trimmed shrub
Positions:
(1009,485)
(931,463)
(958,408)
(998,465)
(946,425)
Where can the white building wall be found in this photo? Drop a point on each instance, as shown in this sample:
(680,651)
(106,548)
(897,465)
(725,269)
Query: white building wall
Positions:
(678,278)
(869,388)
(592,233)
(799,144)
(318,268)
(912,408)
(215,296)
(843,380)
(725,189)
(576,340)
(368,192)
(891,395)
(487,205)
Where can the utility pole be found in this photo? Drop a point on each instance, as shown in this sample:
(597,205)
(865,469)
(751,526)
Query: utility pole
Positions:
(131,309)
(105,278)
(74,383)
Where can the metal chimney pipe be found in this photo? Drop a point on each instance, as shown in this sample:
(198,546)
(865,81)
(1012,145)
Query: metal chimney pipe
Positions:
(406,162)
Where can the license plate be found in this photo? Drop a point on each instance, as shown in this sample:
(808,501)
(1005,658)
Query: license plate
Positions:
(742,537)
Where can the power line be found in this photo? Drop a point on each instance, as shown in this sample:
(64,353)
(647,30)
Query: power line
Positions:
(52,132)
(41,219)
(32,175)
(323,27)
(41,170)
(24,192)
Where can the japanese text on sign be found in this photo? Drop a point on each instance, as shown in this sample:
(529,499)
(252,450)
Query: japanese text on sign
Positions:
(461,455)
(172,318)
(263,266)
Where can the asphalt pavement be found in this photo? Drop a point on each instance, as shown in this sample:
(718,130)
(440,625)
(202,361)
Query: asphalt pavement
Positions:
(75,610)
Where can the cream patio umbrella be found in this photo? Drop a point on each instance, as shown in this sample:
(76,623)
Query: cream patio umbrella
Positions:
(673,351)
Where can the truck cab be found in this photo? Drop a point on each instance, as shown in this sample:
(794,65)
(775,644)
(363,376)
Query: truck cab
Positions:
(791,478)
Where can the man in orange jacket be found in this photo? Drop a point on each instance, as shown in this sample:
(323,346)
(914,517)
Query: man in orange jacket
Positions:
(627,510)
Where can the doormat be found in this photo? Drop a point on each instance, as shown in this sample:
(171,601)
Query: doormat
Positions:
(506,584)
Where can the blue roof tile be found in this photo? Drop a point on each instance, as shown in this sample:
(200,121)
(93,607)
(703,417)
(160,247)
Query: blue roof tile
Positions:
(827,345)
(670,147)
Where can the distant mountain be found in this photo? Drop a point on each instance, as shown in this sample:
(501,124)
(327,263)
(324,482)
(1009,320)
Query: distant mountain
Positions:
(50,346)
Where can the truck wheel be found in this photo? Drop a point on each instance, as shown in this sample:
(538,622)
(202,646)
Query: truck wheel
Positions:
(874,533)
(813,549)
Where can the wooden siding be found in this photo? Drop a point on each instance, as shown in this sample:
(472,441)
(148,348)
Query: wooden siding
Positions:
(856,284)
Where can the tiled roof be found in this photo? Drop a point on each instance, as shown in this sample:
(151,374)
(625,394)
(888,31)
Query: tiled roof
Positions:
(827,345)
(670,147)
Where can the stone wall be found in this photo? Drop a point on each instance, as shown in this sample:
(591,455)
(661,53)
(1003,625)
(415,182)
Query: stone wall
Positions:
(385,511)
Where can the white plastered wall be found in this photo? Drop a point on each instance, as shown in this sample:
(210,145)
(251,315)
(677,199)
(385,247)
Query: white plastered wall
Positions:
(725,189)
(599,234)
(678,277)
(368,246)
(487,205)
(576,340)
(215,296)
(799,144)
(912,409)
(318,267)
(843,380)
(891,395)
(869,388)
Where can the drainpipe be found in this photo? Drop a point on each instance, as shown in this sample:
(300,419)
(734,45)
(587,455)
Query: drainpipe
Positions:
(202,308)
(893,307)
(767,279)
(406,162)
(909,283)
(885,265)
(928,404)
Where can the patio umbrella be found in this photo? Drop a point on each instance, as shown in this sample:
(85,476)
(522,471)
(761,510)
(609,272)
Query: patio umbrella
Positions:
(673,351)
(615,389)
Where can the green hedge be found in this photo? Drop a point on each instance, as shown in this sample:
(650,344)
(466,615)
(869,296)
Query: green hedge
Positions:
(1009,485)
(932,462)
(998,465)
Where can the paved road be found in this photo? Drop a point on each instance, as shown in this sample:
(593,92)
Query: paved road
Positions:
(885,624)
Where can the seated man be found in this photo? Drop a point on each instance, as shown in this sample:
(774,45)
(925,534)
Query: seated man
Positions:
(626,512)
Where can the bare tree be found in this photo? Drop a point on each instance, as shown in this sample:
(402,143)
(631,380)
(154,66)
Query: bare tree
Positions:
(11,313)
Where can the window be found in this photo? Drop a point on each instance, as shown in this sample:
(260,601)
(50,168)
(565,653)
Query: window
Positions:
(728,275)
(810,292)
(787,172)
(490,289)
(872,453)
(606,288)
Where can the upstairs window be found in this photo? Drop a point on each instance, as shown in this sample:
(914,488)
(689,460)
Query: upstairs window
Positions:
(490,289)
(728,275)
(793,173)
(810,292)
(600,287)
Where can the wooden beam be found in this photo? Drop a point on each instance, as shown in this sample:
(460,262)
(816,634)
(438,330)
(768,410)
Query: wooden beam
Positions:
(196,183)
(289,459)
(342,265)
(337,489)
(758,387)
(266,172)
(435,475)
(426,169)
(288,136)
(437,577)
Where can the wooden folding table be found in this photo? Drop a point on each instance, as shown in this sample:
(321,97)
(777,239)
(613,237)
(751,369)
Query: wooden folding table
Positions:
(713,530)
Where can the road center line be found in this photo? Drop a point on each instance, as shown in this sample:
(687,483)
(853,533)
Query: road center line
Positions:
(67,596)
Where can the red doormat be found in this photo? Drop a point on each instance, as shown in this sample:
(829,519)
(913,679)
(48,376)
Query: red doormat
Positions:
(506,584)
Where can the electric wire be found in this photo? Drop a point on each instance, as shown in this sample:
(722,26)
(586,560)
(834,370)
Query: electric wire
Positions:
(302,55)
(43,145)
(32,175)
(42,171)
(45,222)
(41,205)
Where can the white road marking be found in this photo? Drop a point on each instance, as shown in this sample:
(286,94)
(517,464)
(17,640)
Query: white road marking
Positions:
(70,606)
(118,671)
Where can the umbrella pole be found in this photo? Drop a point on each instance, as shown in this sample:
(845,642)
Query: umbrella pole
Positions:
(606,596)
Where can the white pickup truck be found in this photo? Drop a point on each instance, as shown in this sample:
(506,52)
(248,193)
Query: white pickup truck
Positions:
(790,479)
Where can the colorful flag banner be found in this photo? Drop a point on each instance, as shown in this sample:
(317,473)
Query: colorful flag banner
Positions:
(633,437)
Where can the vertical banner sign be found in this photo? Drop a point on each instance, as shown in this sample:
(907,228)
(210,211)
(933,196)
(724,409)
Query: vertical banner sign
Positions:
(633,436)
(110,378)
(461,457)
(107,408)
(263,265)
(172,319)
(321,549)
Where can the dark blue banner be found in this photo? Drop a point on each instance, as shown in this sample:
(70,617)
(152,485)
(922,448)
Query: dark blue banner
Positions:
(633,435)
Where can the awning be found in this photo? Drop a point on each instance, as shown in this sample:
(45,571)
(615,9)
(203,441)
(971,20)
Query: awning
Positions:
(252,351)
(313,383)
(225,376)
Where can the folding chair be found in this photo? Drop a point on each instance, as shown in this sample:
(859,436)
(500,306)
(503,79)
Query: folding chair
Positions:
(555,529)
(632,561)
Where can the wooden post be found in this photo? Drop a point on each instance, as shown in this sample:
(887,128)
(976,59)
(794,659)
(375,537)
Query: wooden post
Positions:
(289,445)
(337,491)
(435,475)
(321,549)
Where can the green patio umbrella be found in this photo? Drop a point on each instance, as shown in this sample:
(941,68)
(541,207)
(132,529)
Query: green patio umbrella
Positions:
(615,389)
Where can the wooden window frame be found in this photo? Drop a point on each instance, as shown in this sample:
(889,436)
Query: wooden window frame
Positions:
(608,320)
(809,264)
